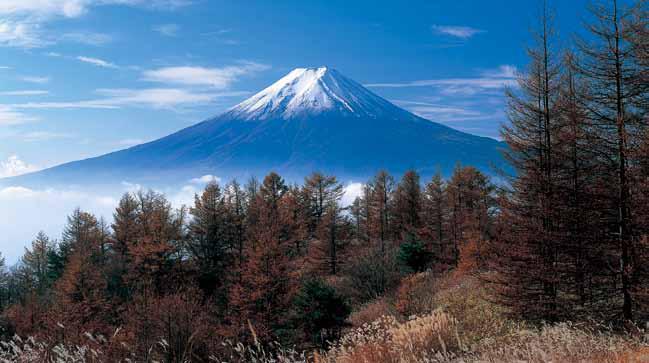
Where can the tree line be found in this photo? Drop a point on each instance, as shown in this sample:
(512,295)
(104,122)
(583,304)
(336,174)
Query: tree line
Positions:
(262,261)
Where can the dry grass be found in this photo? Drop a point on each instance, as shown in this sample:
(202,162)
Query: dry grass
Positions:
(371,312)
(425,338)
(449,322)
(563,343)
(450,319)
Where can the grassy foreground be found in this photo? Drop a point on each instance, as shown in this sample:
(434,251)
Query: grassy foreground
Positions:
(427,319)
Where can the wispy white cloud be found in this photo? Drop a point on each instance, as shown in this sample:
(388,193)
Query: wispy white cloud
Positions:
(504,76)
(471,104)
(450,114)
(97,62)
(130,142)
(156,97)
(76,8)
(219,78)
(462,32)
(88,38)
(159,98)
(437,111)
(205,179)
(21,34)
(23,21)
(222,36)
(504,71)
(24,93)
(35,79)
(5,67)
(169,30)
(13,166)
(9,116)
(38,136)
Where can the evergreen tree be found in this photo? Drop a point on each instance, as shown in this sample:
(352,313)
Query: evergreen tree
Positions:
(319,311)
(211,238)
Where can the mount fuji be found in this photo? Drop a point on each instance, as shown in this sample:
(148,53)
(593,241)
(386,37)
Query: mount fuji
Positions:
(312,119)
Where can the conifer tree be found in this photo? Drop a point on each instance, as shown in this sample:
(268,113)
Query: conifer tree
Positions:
(158,245)
(407,205)
(81,230)
(35,263)
(320,192)
(211,238)
(235,197)
(261,298)
(612,70)
(124,226)
(434,211)
(528,263)
(380,199)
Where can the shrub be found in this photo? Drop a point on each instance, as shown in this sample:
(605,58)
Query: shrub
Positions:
(414,256)
(373,273)
(320,311)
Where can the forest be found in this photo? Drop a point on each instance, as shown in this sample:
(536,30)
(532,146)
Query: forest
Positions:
(548,263)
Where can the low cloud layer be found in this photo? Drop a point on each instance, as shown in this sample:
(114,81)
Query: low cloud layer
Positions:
(13,166)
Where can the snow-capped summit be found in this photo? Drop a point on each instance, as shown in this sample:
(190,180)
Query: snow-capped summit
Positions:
(308,92)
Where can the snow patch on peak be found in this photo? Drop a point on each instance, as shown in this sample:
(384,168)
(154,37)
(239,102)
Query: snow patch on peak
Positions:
(306,92)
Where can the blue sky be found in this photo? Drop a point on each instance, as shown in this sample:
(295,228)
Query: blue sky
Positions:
(83,77)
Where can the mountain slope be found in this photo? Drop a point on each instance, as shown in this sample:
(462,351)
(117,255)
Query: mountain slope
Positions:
(311,119)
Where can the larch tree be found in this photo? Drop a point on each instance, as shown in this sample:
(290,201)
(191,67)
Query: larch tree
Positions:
(125,228)
(35,262)
(610,65)
(407,205)
(581,204)
(469,202)
(528,264)
(82,229)
(322,195)
(259,301)
(125,233)
(320,192)
(80,294)
(158,244)
(235,198)
(434,215)
(380,198)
